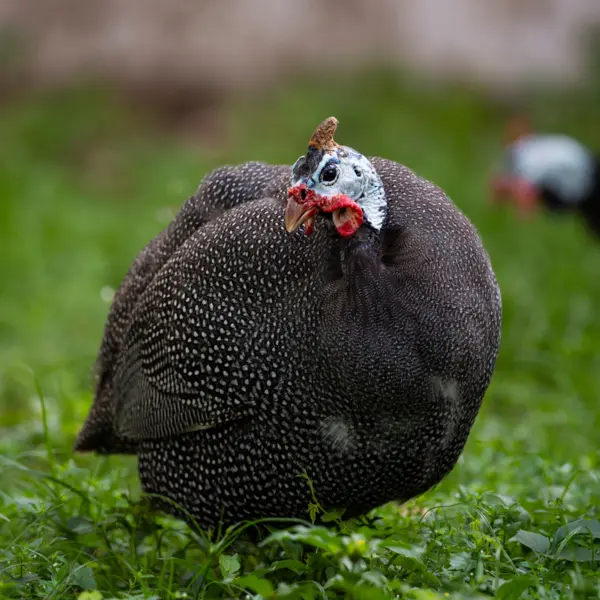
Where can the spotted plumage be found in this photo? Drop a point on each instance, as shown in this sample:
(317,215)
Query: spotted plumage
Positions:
(238,357)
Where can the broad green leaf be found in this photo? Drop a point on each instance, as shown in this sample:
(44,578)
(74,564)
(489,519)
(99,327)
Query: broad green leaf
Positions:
(375,578)
(410,551)
(536,541)
(366,592)
(578,554)
(333,515)
(318,537)
(83,577)
(90,596)
(587,527)
(230,565)
(260,586)
(293,565)
(79,525)
(461,562)
(414,565)
(513,589)
(407,560)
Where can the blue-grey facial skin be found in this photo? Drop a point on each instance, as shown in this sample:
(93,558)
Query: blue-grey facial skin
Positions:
(345,171)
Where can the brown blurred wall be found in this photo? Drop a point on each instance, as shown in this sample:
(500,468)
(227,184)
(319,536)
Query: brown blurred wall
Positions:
(224,45)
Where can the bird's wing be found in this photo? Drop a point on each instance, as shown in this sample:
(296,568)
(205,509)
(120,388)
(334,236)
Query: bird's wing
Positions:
(221,190)
(194,355)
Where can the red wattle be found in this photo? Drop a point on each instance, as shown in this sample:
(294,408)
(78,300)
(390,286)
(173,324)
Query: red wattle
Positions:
(347,229)
(346,222)
(330,203)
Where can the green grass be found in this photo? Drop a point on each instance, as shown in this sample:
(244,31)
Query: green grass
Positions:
(85,182)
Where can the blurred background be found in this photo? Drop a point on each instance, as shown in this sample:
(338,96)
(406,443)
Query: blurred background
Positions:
(112,112)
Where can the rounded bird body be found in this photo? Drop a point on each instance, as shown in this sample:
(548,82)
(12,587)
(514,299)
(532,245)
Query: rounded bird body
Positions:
(245,357)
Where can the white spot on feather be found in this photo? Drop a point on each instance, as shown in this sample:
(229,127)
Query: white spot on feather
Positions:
(449,389)
(337,433)
(199,427)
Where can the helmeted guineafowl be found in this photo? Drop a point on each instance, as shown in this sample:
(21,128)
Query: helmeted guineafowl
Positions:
(552,171)
(239,356)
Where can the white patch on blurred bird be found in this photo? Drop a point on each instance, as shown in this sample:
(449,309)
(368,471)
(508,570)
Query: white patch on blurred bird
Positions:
(558,162)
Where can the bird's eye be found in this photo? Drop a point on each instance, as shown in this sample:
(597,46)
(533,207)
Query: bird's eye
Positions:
(329,173)
(357,172)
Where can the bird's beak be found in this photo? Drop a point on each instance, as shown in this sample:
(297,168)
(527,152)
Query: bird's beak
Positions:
(296,214)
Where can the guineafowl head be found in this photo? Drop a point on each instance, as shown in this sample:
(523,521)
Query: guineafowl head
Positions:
(335,182)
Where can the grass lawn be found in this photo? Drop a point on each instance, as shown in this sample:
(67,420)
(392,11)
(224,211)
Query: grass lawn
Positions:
(85,182)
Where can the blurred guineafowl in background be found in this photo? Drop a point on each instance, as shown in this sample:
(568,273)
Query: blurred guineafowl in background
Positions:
(549,170)
(238,355)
